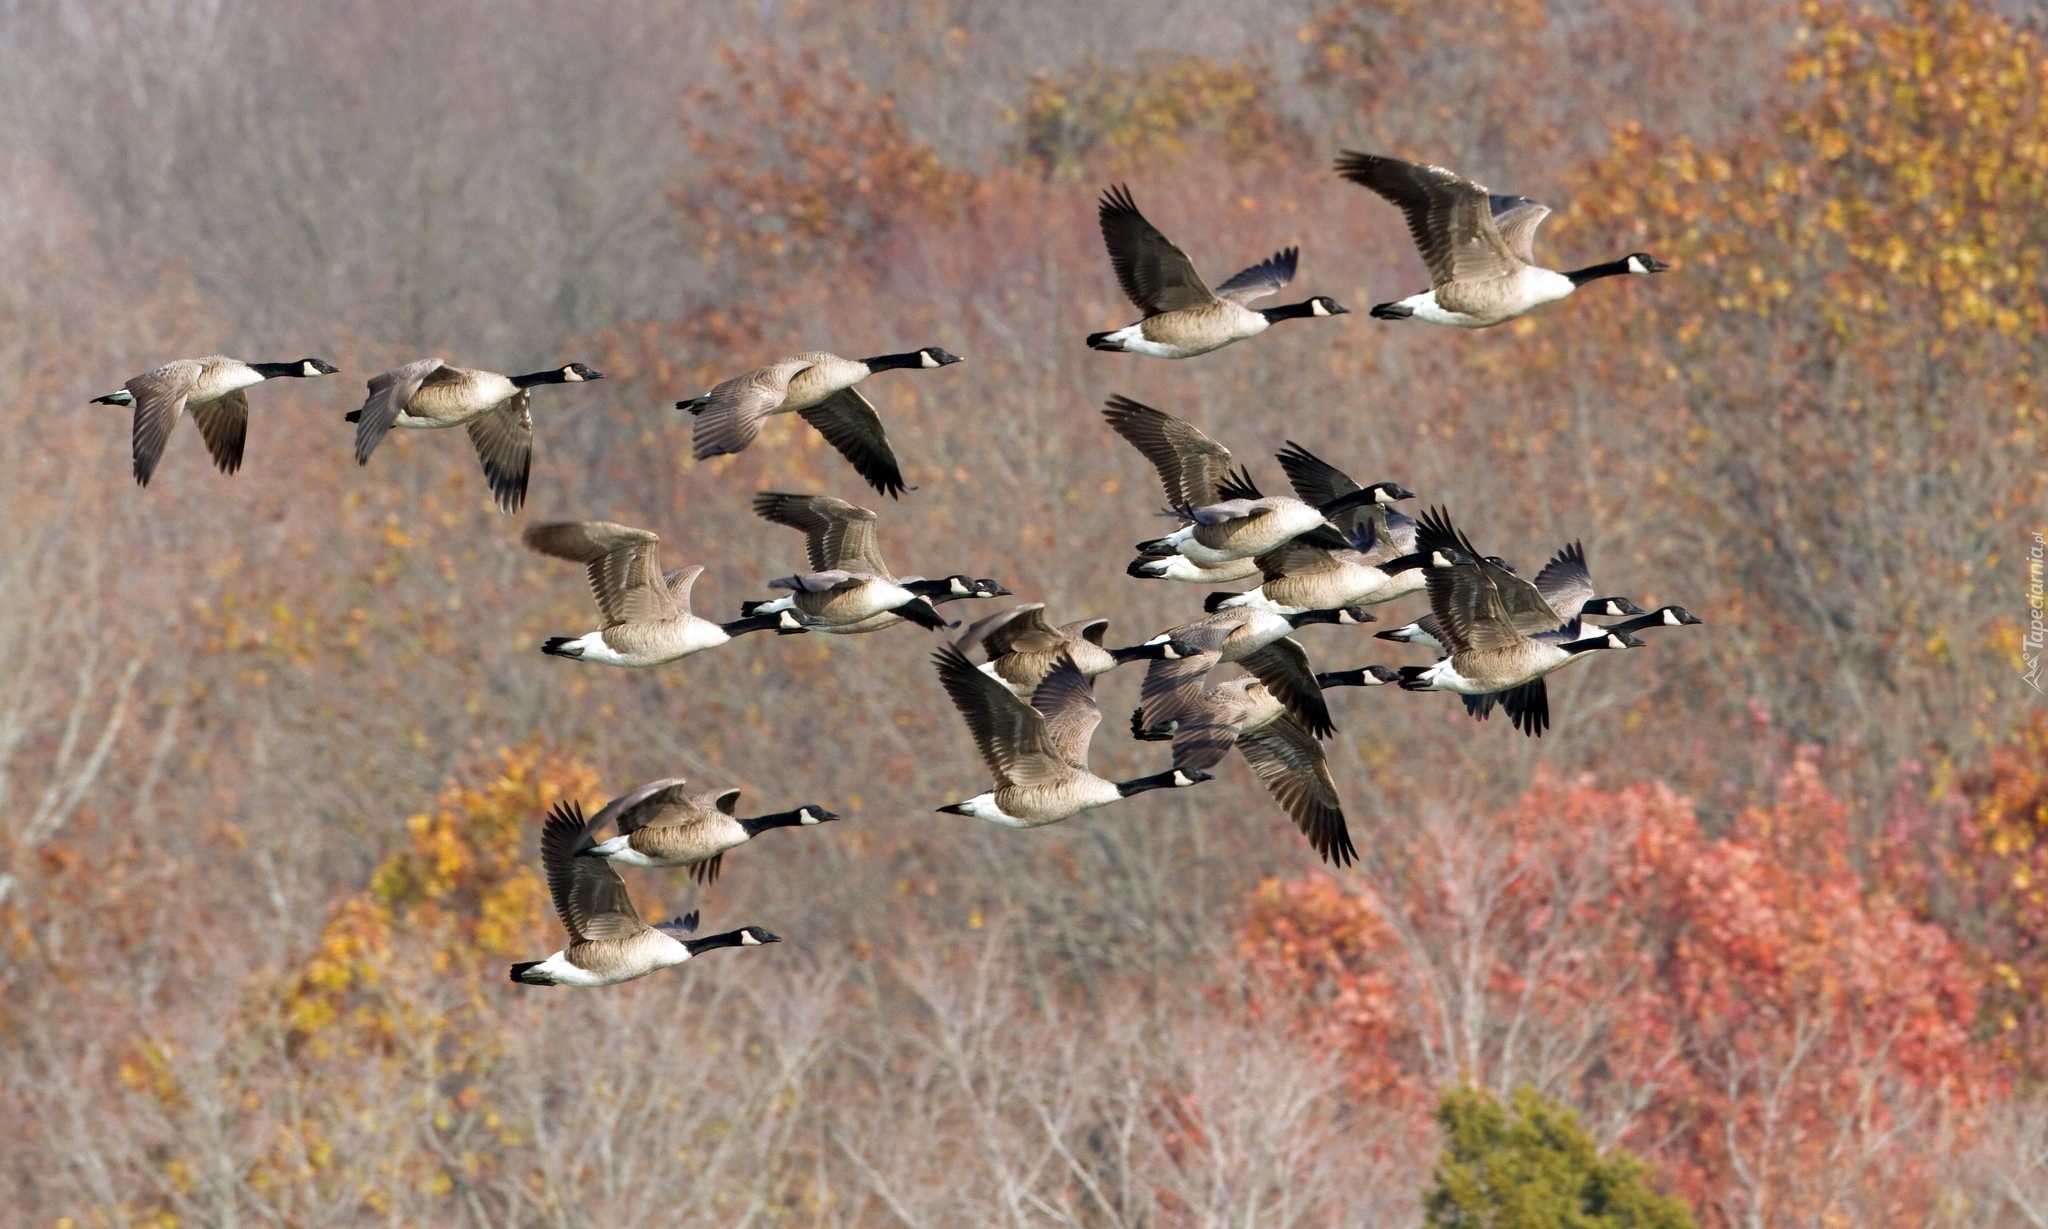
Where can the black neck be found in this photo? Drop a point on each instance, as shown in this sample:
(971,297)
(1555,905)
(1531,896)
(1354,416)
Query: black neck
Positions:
(1612,268)
(1139,652)
(1290,311)
(780,819)
(1587,645)
(271,371)
(884,362)
(937,591)
(1170,779)
(539,377)
(1343,615)
(731,938)
(754,623)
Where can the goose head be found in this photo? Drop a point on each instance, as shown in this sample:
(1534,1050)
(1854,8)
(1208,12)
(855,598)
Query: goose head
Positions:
(310,367)
(1611,607)
(1324,305)
(1643,262)
(576,373)
(933,356)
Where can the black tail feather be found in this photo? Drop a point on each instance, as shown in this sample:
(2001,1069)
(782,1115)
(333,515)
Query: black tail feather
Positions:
(352,416)
(1411,678)
(1391,311)
(1214,602)
(1101,341)
(558,646)
(520,971)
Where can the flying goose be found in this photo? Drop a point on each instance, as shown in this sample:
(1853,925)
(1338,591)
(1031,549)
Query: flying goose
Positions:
(608,943)
(647,619)
(1229,517)
(429,394)
(1244,713)
(1037,749)
(1533,716)
(1022,648)
(820,387)
(660,824)
(1183,317)
(850,589)
(1561,592)
(211,388)
(1480,248)
(1489,650)
(1303,576)
(1254,639)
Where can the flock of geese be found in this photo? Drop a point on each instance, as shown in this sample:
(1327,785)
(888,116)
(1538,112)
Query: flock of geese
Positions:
(1322,554)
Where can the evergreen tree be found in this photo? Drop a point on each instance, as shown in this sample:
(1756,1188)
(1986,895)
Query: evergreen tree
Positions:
(1532,1166)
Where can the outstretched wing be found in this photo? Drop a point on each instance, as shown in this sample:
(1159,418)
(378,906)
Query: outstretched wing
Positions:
(504,443)
(224,424)
(1155,275)
(159,399)
(1297,773)
(624,565)
(1192,467)
(849,423)
(1066,700)
(730,415)
(589,896)
(1262,279)
(1449,217)
(391,392)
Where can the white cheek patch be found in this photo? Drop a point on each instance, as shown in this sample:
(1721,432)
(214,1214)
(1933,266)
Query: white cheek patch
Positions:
(571,376)
(747,939)
(307,369)
(925,359)
(804,816)
(1635,265)
(1317,308)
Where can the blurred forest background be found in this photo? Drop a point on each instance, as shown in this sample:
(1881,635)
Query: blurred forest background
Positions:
(1766,909)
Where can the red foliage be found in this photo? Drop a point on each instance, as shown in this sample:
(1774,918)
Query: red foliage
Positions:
(1749,1009)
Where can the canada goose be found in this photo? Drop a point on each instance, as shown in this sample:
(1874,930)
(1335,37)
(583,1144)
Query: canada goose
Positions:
(1531,714)
(647,619)
(608,943)
(1244,713)
(659,824)
(1480,248)
(1561,592)
(211,388)
(850,589)
(1304,576)
(1022,647)
(1183,317)
(820,387)
(1037,749)
(1254,639)
(1489,650)
(1363,676)
(429,394)
(1229,517)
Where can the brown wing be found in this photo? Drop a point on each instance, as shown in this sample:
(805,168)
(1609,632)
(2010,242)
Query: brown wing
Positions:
(589,896)
(997,634)
(1297,773)
(1066,700)
(1155,275)
(652,805)
(1449,217)
(730,415)
(504,443)
(1191,465)
(1516,218)
(1009,733)
(837,534)
(224,424)
(1468,608)
(159,399)
(1262,279)
(391,392)
(849,423)
(1283,667)
(624,564)
(1172,690)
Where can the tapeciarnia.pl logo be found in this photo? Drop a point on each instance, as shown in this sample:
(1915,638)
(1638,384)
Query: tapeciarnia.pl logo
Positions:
(2037,618)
